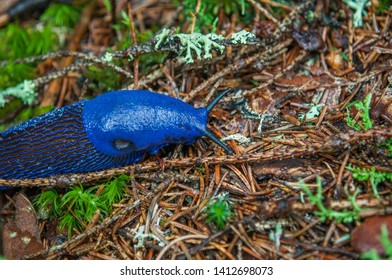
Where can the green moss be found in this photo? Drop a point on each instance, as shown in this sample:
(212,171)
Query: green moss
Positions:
(18,42)
(13,74)
(103,79)
(219,211)
(209,9)
(383,5)
(76,207)
(25,41)
(358,6)
(61,15)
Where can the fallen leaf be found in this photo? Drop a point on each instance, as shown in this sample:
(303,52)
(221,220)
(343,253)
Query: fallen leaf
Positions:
(21,236)
(366,236)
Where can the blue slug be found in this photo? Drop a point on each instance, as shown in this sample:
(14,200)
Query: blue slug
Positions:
(112,130)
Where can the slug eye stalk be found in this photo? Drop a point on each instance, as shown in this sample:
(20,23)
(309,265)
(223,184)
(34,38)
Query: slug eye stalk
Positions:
(210,106)
(213,138)
(209,134)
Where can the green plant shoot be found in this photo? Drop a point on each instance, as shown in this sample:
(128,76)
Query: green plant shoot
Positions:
(344,216)
(364,107)
(219,211)
(372,175)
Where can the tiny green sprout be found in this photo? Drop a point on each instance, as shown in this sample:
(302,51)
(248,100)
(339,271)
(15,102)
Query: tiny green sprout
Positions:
(125,19)
(108,57)
(323,213)
(108,5)
(310,16)
(219,211)
(364,107)
(276,235)
(242,7)
(359,9)
(242,37)
(201,169)
(375,177)
(26,91)
(344,56)
(385,242)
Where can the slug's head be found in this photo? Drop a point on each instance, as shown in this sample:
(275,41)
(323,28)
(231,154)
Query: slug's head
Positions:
(123,122)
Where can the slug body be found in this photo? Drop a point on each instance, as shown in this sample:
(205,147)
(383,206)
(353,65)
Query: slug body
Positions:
(112,130)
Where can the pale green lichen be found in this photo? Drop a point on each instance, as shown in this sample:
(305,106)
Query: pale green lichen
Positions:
(195,44)
(198,44)
(359,10)
(140,237)
(237,137)
(26,91)
(108,57)
(314,111)
(276,235)
(162,37)
(242,37)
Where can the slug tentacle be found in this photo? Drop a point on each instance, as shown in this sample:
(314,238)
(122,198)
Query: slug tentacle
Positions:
(208,133)
(210,106)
